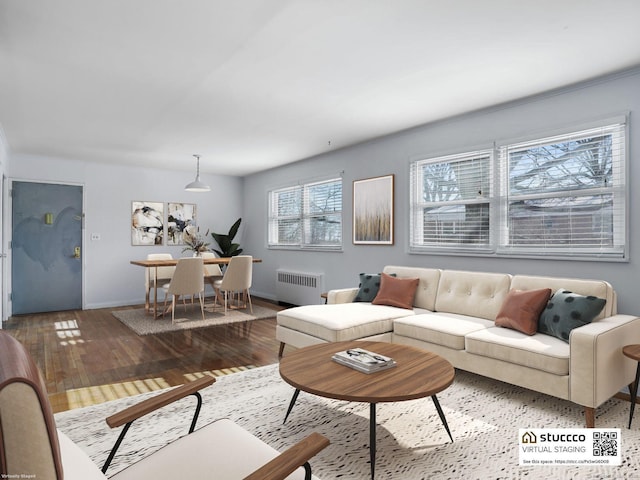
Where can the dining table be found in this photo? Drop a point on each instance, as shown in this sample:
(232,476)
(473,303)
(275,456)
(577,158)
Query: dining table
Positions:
(155,264)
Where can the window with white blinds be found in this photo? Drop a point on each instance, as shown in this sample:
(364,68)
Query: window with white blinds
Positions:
(561,196)
(307,215)
(451,202)
(565,194)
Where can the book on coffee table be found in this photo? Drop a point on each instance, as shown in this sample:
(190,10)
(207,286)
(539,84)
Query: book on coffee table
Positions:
(363,360)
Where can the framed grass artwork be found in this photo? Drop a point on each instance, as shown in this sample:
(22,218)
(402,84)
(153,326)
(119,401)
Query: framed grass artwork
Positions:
(373,211)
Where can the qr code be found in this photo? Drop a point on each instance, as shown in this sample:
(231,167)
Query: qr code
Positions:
(605,444)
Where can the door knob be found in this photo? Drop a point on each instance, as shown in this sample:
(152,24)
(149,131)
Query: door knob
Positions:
(76,252)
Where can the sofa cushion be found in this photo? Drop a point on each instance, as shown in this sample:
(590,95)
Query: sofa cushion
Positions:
(341,321)
(475,294)
(396,292)
(538,351)
(446,329)
(567,310)
(368,287)
(522,308)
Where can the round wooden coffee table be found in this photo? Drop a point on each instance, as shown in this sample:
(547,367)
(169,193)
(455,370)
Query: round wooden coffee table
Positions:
(418,374)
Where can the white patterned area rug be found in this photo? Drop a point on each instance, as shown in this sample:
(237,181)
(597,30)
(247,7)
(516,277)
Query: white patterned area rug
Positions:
(484,416)
(188,318)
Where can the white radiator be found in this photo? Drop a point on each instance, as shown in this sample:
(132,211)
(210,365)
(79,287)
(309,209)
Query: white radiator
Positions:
(299,288)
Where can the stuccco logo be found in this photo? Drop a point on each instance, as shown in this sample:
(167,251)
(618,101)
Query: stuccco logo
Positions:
(530,437)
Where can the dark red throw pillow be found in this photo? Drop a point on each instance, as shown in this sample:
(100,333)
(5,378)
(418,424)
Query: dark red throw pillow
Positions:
(396,292)
(522,308)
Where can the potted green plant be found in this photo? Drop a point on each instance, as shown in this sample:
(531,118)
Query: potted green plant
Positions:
(225,241)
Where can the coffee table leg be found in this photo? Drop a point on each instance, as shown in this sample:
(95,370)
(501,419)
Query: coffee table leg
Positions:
(634,394)
(372,438)
(441,413)
(291,404)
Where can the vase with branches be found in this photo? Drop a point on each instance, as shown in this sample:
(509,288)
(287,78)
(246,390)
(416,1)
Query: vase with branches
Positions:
(195,242)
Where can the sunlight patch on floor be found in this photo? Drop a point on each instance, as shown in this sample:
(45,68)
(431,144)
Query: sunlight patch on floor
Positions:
(84,397)
(218,373)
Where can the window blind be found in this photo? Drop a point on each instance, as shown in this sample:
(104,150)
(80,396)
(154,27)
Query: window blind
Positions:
(307,215)
(565,194)
(451,201)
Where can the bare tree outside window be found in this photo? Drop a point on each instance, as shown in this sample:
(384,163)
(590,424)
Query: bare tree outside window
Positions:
(308,216)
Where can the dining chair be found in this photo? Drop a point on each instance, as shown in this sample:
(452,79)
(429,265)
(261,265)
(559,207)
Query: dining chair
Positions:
(164,275)
(236,280)
(211,272)
(188,279)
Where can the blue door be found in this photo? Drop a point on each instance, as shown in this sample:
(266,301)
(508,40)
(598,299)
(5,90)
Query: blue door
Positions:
(46,247)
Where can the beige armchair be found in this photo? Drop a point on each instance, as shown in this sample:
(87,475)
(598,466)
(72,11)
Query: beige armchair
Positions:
(164,275)
(188,280)
(32,447)
(236,280)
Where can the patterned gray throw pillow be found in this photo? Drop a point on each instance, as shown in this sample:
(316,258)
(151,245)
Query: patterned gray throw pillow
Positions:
(369,286)
(567,310)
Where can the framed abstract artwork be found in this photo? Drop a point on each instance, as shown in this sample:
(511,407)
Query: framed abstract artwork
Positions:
(373,211)
(147,223)
(179,217)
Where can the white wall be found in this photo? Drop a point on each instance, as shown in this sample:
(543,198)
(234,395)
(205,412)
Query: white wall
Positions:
(109,278)
(577,105)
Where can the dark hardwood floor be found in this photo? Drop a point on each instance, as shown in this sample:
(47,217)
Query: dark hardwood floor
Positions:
(88,356)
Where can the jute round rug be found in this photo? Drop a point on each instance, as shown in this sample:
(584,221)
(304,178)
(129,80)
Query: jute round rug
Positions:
(484,416)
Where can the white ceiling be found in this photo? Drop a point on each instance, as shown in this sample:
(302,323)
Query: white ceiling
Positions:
(253,84)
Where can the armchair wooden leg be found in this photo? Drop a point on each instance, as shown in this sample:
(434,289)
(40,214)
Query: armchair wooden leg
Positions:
(281,350)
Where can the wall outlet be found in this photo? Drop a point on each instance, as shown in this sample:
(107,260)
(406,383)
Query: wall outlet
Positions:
(95,236)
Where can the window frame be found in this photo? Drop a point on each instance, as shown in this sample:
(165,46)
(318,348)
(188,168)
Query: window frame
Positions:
(616,190)
(304,216)
(418,204)
(499,199)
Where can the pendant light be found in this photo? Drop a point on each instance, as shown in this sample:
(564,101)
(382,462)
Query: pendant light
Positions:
(197,185)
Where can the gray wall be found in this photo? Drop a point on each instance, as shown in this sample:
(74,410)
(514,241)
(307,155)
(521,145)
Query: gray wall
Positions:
(575,106)
(109,278)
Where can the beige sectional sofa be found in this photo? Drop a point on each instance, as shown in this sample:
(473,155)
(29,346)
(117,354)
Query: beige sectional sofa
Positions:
(454,316)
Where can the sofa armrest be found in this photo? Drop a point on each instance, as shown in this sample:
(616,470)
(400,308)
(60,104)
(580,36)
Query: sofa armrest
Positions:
(598,369)
(343,295)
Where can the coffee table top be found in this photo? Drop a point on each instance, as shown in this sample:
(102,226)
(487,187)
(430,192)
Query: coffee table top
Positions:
(418,373)
(632,351)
